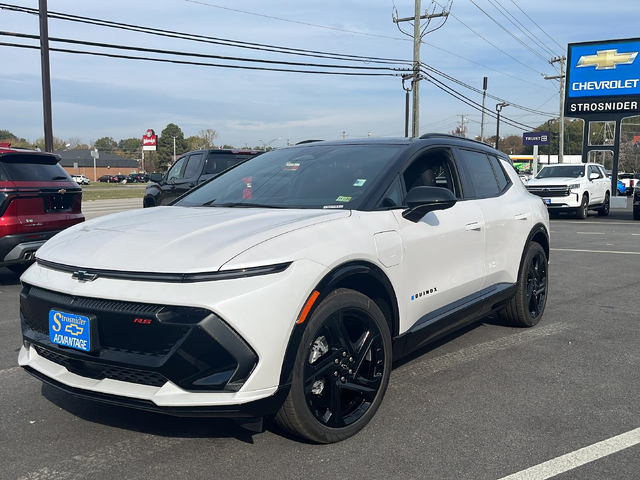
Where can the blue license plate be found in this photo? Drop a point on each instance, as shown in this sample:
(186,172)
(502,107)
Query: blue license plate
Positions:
(547,201)
(70,330)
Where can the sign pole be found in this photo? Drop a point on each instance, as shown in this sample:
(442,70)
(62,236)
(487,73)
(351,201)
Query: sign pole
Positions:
(535,159)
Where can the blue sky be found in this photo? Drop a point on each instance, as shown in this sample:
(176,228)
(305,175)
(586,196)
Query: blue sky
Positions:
(96,96)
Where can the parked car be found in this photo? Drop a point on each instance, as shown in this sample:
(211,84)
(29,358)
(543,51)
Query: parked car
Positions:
(630,180)
(81,179)
(190,170)
(288,284)
(636,202)
(622,189)
(137,178)
(38,199)
(108,179)
(573,188)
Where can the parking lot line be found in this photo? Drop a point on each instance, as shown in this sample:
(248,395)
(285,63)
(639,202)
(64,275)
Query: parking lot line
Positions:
(593,251)
(578,458)
(590,233)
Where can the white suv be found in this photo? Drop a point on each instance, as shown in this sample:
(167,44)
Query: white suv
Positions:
(287,285)
(573,187)
(81,179)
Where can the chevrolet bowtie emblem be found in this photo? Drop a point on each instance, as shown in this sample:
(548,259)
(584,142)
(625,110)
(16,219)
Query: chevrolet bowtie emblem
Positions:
(62,191)
(83,276)
(607,59)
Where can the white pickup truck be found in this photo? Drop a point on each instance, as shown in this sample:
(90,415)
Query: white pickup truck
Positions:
(573,188)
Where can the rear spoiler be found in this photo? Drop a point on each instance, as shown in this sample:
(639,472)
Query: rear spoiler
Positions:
(42,158)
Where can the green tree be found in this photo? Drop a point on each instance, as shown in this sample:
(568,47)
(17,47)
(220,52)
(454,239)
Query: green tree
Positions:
(130,147)
(7,136)
(165,145)
(105,144)
(573,132)
(58,143)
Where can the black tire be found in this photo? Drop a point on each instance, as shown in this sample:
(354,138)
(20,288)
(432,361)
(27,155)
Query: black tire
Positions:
(604,211)
(583,209)
(357,392)
(636,213)
(523,310)
(19,268)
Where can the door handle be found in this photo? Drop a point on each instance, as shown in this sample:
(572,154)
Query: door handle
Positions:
(475,226)
(523,216)
(191,185)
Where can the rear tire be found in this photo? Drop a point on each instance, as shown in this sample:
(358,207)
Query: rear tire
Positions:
(525,309)
(636,213)
(604,211)
(341,372)
(583,210)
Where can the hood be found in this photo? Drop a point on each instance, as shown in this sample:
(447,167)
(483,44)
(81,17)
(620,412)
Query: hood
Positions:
(553,181)
(175,239)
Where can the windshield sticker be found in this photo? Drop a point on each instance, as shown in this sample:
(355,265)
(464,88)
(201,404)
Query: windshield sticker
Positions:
(343,199)
(360,182)
(291,166)
(333,206)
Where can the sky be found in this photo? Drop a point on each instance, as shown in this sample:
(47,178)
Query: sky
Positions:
(99,96)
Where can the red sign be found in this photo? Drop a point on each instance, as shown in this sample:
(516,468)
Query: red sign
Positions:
(636,140)
(149,140)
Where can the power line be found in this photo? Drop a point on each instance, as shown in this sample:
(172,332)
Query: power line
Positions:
(528,47)
(494,45)
(296,21)
(533,21)
(203,64)
(201,38)
(189,54)
(520,26)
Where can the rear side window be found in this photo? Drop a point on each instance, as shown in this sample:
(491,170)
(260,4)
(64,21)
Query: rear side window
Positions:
(481,173)
(19,170)
(218,162)
(3,176)
(499,171)
(193,167)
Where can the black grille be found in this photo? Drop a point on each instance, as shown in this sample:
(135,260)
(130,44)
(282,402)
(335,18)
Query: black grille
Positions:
(550,191)
(117,330)
(99,371)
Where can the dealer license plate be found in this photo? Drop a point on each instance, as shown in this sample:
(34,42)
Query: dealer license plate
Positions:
(70,330)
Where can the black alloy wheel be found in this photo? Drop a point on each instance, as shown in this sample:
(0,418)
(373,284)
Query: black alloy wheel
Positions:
(343,372)
(604,211)
(537,284)
(342,369)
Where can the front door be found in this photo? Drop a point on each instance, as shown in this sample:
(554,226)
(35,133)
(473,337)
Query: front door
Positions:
(181,178)
(444,251)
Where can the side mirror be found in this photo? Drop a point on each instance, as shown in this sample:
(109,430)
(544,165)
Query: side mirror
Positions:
(594,176)
(156,177)
(422,200)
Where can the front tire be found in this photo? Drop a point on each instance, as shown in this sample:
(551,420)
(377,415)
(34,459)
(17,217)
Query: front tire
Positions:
(604,211)
(636,213)
(341,371)
(583,209)
(525,309)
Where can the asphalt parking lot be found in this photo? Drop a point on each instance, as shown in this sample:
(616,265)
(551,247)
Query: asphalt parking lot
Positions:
(486,403)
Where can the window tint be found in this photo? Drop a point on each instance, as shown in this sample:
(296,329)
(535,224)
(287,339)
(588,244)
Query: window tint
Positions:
(22,171)
(3,176)
(218,162)
(176,170)
(432,169)
(392,197)
(596,170)
(192,169)
(500,175)
(480,173)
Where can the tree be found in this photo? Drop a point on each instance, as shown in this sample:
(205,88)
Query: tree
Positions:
(203,140)
(130,147)
(7,136)
(165,145)
(76,144)
(105,144)
(58,143)
(573,132)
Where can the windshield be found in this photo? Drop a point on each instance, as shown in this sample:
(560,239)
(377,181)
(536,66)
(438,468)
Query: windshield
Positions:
(305,177)
(566,171)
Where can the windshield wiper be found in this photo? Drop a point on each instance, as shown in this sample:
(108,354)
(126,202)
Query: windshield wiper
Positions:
(239,205)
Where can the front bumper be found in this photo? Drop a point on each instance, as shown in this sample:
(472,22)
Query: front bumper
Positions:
(568,202)
(259,311)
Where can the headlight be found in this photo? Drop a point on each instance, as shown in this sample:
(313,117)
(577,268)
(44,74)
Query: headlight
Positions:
(574,186)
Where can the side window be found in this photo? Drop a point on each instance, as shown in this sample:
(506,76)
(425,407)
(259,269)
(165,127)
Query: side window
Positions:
(499,171)
(3,176)
(218,162)
(192,169)
(432,169)
(392,197)
(176,171)
(480,173)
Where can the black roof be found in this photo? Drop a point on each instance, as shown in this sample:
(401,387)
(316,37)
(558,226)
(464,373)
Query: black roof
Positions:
(84,159)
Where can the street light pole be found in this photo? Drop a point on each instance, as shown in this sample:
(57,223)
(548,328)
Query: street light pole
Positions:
(174,149)
(499,108)
(266,145)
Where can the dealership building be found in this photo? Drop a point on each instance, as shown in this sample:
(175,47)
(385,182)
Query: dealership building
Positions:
(80,162)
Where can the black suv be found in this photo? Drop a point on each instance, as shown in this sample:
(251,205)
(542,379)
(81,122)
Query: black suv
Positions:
(189,170)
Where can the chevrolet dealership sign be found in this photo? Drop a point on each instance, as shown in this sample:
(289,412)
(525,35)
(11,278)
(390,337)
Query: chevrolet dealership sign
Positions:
(603,78)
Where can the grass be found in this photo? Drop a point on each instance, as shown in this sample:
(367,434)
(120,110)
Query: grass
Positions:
(113,194)
(113,185)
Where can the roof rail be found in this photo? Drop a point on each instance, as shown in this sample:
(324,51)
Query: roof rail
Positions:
(448,135)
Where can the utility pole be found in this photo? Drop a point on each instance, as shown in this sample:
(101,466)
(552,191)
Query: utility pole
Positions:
(484,99)
(499,108)
(560,77)
(417,40)
(46,77)
(463,127)
(174,149)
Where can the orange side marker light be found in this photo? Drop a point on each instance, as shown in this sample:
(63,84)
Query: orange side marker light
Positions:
(307,307)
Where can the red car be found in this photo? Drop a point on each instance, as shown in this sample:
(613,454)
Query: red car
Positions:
(38,199)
